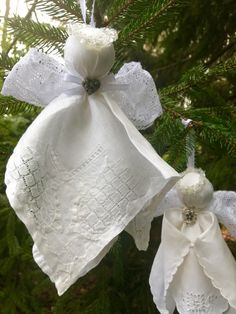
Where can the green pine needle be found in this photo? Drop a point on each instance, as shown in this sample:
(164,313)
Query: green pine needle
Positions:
(38,34)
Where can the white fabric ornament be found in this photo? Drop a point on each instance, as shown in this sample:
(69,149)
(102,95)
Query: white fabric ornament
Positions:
(82,171)
(194,269)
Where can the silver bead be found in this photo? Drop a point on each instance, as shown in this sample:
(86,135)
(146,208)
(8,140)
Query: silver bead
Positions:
(91,85)
(190,215)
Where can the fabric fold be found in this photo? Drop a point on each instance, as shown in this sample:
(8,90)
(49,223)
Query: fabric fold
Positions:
(75,204)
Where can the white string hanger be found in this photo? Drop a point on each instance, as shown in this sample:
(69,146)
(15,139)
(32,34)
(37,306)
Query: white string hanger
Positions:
(83,8)
(191,157)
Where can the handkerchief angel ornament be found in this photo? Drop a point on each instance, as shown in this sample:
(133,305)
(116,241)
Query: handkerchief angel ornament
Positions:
(194,270)
(82,171)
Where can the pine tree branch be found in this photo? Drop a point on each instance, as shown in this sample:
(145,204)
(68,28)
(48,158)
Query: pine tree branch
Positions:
(38,34)
(219,135)
(181,116)
(65,11)
(170,138)
(200,75)
(119,12)
(215,131)
(215,124)
(145,24)
(221,53)
(146,19)
(6,62)
(28,16)
(173,65)
(9,105)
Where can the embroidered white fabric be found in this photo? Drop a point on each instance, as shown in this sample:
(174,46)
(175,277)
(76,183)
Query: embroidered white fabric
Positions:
(82,171)
(193,291)
(186,272)
(140,102)
(142,106)
(223,206)
(36,79)
(194,303)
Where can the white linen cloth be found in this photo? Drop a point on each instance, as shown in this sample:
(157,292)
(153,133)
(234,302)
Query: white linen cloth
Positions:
(82,171)
(194,270)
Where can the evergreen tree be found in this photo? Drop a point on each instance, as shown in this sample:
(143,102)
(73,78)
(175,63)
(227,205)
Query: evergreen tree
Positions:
(189,48)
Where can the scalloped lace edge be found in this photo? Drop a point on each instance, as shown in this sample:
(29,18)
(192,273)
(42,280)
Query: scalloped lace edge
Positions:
(213,282)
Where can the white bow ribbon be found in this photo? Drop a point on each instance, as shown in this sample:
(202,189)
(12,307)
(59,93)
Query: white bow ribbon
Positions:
(108,83)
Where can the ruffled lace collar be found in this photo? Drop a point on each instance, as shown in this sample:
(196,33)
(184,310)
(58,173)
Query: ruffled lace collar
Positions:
(93,37)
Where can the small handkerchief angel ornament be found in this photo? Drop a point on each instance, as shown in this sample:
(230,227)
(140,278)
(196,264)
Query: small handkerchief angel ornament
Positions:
(194,269)
(82,172)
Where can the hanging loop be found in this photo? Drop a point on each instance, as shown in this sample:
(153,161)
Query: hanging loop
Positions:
(83,8)
(191,157)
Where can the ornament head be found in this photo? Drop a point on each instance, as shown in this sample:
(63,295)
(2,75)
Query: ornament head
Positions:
(194,189)
(89,51)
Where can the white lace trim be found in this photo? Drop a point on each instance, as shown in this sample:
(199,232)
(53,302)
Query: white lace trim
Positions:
(224,207)
(93,37)
(140,102)
(199,303)
(37,79)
